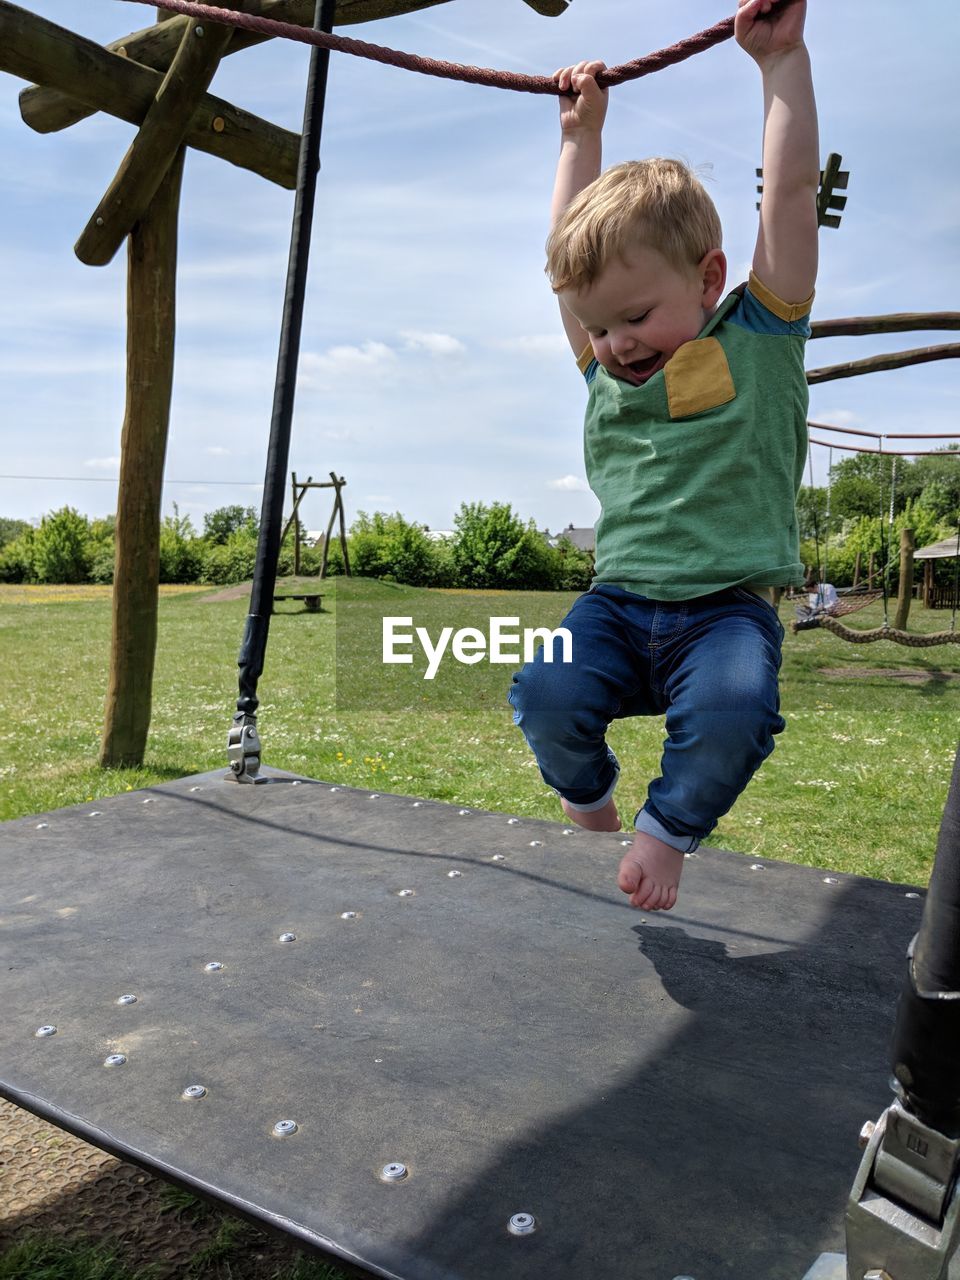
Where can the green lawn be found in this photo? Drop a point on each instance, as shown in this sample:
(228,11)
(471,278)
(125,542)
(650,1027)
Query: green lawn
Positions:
(857,782)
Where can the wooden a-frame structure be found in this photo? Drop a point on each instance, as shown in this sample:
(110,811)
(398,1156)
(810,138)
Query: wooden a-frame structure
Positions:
(156,78)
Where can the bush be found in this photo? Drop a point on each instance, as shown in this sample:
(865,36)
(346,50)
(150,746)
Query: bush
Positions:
(181,551)
(493,548)
(230,562)
(61,547)
(383,546)
(574,568)
(16,558)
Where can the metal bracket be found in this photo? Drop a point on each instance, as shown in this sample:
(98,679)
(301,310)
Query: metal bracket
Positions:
(243,750)
(903,1216)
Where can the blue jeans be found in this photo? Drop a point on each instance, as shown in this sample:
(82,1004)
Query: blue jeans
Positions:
(710,665)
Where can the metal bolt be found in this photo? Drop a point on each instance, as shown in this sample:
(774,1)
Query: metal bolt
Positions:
(417,804)
(95,813)
(464,812)
(284,1128)
(567,831)
(405,893)
(374,796)
(536,844)
(219,124)
(114,1060)
(149,800)
(876,1274)
(127,1000)
(41,826)
(42,1032)
(198,31)
(522,1224)
(866,1133)
(348,915)
(499,857)
(287,937)
(196,788)
(394,1172)
(249,732)
(626,843)
(213,967)
(830,880)
(99,221)
(452,875)
(757,866)
(513,822)
(332,789)
(194,1091)
(911,895)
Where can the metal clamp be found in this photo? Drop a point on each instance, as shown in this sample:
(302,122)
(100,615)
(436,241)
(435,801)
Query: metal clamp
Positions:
(243,750)
(903,1216)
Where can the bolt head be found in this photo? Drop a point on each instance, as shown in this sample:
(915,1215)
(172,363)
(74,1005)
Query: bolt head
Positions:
(866,1133)
(522,1224)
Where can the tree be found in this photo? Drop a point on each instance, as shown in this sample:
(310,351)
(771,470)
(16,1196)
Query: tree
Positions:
(61,551)
(10,530)
(494,548)
(219,525)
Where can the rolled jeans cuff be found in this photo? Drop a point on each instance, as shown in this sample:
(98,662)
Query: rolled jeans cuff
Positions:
(646,822)
(594,804)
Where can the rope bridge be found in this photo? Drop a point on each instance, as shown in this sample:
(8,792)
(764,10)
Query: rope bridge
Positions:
(448,70)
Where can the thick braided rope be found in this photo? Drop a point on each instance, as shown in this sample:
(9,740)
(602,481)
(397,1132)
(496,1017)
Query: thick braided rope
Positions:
(912,639)
(447,70)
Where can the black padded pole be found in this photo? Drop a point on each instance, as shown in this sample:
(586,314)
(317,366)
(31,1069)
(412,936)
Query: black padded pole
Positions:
(253,648)
(926,1040)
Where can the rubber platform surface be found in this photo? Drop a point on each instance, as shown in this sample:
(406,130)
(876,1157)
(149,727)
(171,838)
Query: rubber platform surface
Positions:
(464,994)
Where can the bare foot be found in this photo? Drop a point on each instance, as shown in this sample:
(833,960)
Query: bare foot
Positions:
(605,819)
(650,872)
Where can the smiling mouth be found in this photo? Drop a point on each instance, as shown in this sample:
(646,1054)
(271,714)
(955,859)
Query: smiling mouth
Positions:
(641,370)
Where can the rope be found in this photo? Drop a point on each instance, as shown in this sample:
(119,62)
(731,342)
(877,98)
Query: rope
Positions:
(448,70)
(912,640)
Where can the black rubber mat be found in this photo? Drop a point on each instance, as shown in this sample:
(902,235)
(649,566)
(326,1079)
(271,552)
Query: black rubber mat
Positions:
(462,994)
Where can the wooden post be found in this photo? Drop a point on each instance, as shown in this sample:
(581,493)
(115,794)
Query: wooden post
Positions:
(927,583)
(151,312)
(856,569)
(905,589)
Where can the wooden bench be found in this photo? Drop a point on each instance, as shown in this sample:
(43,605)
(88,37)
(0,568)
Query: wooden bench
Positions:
(311,600)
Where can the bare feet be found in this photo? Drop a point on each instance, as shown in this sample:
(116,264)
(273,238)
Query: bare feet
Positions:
(605,819)
(650,872)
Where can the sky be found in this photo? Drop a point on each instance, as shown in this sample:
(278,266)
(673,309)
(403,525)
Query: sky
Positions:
(433,368)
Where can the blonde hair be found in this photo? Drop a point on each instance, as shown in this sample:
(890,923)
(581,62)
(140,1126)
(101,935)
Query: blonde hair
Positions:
(657,203)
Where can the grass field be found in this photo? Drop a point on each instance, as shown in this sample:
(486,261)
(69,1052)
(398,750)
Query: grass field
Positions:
(857,782)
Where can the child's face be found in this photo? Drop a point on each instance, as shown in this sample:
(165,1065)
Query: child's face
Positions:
(640,310)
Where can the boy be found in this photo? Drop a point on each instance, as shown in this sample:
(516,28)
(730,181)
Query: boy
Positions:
(694,443)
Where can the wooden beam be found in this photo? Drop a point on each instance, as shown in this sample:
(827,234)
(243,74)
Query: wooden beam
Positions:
(151,294)
(901,322)
(876,364)
(156,144)
(35,49)
(48,109)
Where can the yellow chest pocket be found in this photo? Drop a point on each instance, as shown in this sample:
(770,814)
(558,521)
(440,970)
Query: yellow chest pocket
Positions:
(698,378)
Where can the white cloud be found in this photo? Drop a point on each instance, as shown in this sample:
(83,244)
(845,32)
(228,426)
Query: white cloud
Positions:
(535,344)
(103,464)
(371,359)
(570,484)
(438,344)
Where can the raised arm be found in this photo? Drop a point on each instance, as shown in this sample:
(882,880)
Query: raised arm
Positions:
(785,258)
(582,114)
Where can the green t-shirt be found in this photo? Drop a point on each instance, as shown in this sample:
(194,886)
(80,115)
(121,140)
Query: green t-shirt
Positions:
(697,470)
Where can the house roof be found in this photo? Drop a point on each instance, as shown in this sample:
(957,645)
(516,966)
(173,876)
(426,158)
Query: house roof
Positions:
(585,539)
(938,550)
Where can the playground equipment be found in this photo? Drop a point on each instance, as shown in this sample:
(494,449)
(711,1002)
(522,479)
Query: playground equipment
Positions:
(422,1041)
